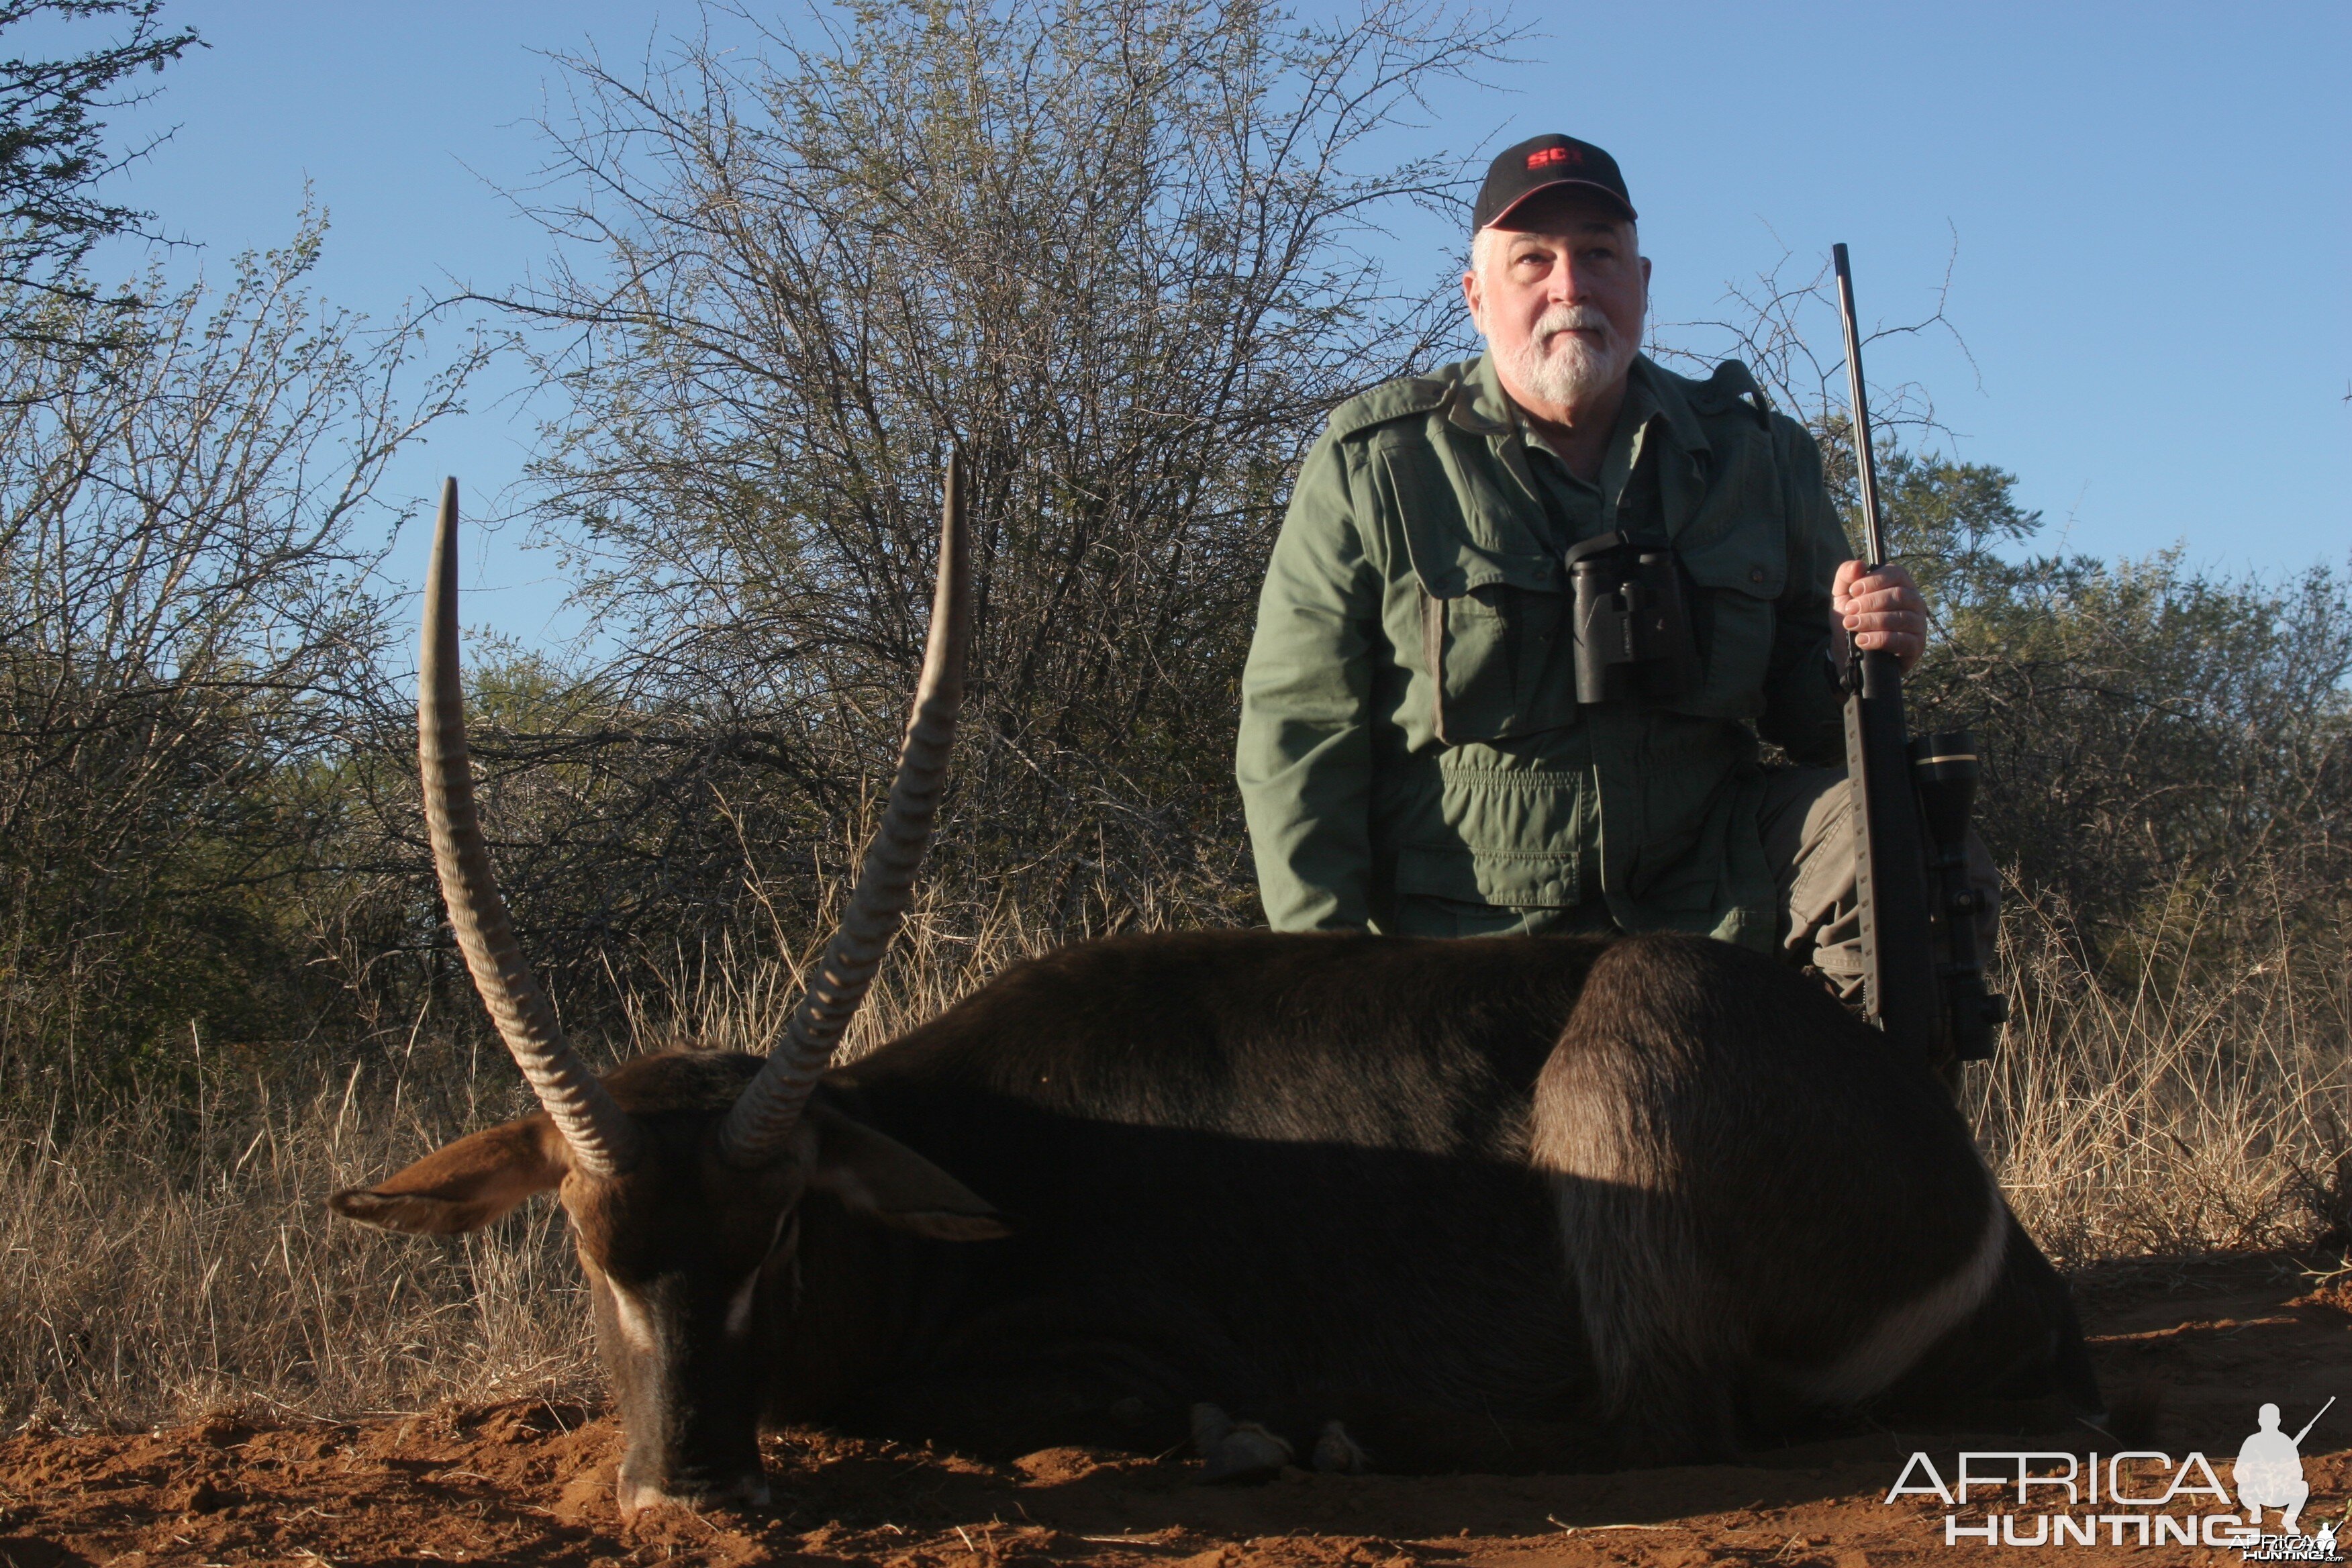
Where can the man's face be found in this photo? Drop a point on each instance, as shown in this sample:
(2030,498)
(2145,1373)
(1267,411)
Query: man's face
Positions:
(1558,289)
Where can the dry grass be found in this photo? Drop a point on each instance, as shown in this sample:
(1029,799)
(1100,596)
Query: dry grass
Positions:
(164,1260)
(158,1260)
(2201,1104)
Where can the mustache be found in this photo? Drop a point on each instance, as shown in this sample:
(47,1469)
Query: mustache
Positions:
(1566,318)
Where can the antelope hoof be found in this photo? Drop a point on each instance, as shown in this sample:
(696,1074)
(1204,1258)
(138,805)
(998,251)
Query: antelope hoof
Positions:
(633,1498)
(1337,1454)
(1234,1451)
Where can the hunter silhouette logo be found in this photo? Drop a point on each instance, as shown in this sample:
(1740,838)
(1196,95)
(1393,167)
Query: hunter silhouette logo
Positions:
(2269,1471)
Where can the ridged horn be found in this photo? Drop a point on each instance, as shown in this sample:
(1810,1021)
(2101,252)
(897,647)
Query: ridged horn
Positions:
(603,1139)
(765,1113)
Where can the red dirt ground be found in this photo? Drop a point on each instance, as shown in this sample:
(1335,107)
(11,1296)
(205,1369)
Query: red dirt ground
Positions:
(2194,1345)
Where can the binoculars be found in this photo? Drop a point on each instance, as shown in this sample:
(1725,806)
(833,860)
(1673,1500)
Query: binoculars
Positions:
(1632,621)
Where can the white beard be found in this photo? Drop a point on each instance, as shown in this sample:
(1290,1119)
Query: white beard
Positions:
(1559,367)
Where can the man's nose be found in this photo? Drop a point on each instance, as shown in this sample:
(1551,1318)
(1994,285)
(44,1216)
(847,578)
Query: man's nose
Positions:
(1567,284)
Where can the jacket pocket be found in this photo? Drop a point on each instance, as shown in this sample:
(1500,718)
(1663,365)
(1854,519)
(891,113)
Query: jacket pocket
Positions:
(1493,637)
(1500,660)
(1500,833)
(1736,550)
(1531,880)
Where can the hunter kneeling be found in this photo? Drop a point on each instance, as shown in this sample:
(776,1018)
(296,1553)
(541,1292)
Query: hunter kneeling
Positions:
(1423,750)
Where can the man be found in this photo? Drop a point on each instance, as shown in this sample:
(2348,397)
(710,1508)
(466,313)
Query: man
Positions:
(1414,756)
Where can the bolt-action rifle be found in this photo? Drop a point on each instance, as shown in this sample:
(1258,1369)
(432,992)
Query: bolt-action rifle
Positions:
(1923,978)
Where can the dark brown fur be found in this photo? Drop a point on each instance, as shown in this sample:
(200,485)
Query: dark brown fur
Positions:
(1497,1204)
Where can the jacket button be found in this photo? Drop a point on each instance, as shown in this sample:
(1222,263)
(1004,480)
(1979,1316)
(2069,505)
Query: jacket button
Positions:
(1755,575)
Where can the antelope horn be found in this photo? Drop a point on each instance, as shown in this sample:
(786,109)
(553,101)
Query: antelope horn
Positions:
(771,1105)
(603,1139)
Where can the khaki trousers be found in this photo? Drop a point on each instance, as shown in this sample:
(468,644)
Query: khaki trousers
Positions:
(1808,837)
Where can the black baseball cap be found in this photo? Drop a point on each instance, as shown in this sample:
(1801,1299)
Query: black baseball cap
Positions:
(1539,164)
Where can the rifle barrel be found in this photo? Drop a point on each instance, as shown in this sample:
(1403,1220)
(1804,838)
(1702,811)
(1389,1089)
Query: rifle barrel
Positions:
(1865,460)
(2313,1422)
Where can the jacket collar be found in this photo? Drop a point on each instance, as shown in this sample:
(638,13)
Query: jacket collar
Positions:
(1667,397)
(1479,405)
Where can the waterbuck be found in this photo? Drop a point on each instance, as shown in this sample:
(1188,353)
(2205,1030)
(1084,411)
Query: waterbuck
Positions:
(1501,1202)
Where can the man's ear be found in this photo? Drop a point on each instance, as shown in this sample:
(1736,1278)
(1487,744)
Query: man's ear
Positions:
(879,1177)
(463,1185)
(1470,297)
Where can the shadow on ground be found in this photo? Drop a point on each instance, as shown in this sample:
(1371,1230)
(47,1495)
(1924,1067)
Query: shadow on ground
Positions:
(2188,1349)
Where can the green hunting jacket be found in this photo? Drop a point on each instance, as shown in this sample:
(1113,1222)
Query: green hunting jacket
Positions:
(1413,757)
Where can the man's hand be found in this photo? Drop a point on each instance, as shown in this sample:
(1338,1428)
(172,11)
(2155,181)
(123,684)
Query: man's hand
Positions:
(1883,609)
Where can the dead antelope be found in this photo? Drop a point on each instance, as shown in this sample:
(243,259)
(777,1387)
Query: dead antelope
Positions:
(1512,1203)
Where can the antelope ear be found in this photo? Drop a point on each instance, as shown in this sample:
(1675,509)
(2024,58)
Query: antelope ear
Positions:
(877,1175)
(463,1185)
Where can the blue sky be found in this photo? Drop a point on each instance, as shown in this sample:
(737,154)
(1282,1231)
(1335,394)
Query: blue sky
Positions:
(2151,206)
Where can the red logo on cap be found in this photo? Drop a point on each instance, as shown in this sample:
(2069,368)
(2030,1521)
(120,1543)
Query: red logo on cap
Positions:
(1549,156)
